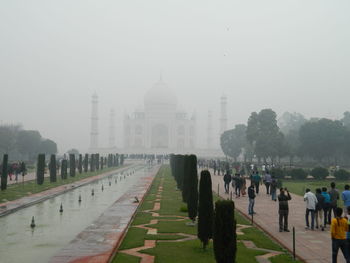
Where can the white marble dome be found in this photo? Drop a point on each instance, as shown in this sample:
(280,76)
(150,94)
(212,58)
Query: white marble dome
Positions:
(160,94)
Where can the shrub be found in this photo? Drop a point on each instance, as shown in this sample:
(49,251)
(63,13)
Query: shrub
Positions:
(53,170)
(278,173)
(184,208)
(86,162)
(72,165)
(192,197)
(342,174)
(205,209)
(80,164)
(4,172)
(319,173)
(40,169)
(298,174)
(64,169)
(225,237)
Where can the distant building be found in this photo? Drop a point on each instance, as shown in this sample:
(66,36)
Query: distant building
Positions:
(159,127)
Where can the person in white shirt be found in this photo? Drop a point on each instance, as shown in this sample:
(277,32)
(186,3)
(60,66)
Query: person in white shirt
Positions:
(311,202)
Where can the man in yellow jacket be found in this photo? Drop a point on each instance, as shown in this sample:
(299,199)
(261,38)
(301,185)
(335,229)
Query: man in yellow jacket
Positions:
(339,227)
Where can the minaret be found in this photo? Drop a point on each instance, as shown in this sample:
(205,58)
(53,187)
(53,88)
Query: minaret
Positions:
(94,123)
(112,129)
(223,118)
(210,130)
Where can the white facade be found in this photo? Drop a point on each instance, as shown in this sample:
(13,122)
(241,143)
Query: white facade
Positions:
(160,127)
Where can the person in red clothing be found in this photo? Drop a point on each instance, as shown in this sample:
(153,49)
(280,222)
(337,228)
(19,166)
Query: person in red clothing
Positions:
(339,227)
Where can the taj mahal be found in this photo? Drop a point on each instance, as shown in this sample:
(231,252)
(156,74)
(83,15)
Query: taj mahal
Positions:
(159,126)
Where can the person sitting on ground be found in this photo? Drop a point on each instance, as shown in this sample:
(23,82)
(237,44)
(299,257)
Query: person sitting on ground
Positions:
(283,209)
(311,202)
(319,209)
(339,227)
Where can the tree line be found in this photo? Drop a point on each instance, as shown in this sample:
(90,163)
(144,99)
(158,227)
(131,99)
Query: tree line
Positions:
(72,165)
(23,144)
(292,137)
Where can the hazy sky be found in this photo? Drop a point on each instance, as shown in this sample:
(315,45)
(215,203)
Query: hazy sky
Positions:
(285,55)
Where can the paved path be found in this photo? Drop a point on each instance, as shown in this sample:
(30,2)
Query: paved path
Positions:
(311,246)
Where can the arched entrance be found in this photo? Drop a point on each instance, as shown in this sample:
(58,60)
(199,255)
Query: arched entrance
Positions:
(160,136)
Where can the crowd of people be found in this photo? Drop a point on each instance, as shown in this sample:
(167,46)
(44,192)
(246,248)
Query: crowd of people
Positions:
(319,209)
(322,207)
(14,170)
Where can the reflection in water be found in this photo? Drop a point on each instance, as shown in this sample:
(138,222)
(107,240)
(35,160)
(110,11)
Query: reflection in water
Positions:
(54,230)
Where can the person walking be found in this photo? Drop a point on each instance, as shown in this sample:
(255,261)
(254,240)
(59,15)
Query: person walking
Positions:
(326,205)
(251,195)
(244,186)
(334,194)
(267,180)
(256,181)
(311,202)
(227,181)
(345,196)
(339,227)
(283,209)
(238,187)
(273,189)
(319,209)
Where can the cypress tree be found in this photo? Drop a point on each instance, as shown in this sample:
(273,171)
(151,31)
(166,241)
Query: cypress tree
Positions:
(205,209)
(92,162)
(117,160)
(224,237)
(53,169)
(71,165)
(86,163)
(4,172)
(64,167)
(192,197)
(80,163)
(40,169)
(184,176)
(97,161)
(121,159)
(180,170)
(101,163)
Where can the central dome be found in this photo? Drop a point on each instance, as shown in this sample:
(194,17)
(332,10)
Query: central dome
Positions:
(160,94)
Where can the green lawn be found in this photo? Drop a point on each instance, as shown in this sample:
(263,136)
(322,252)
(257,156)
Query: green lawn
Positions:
(189,251)
(15,191)
(298,187)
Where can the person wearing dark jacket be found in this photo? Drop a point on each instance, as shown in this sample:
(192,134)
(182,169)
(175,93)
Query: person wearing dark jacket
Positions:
(227,181)
(251,195)
(283,209)
(319,209)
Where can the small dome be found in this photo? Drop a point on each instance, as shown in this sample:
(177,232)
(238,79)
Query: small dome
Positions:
(160,94)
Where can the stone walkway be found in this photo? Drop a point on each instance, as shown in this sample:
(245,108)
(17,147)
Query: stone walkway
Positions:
(311,246)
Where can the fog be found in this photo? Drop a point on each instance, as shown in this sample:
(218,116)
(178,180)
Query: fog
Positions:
(285,55)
